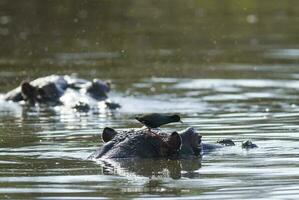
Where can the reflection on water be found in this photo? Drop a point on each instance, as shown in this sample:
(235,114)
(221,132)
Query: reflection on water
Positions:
(44,151)
(132,168)
(229,68)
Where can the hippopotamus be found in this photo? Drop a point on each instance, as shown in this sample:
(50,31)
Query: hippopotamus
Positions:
(139,144)
(50,90)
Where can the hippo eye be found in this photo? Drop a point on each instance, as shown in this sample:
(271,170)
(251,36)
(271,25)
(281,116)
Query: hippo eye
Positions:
(40,92)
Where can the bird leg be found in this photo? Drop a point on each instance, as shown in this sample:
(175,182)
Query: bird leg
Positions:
(151,133)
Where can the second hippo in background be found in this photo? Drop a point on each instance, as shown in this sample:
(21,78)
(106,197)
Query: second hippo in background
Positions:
(53,90)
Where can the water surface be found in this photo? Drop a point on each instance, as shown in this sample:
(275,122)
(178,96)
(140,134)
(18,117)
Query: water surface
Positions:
(230,70)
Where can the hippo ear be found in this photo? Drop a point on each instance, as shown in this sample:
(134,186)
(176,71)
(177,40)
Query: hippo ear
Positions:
(28,92)
(175,141)
(108,134)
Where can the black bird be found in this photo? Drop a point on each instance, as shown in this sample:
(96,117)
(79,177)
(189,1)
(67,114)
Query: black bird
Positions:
(156,120)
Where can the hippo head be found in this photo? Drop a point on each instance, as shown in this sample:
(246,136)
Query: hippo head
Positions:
(143,144)
(48,93)
(138,144)
(98,89)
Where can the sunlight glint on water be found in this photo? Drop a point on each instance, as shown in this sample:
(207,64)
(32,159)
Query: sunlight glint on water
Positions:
(229,69)
(63,142)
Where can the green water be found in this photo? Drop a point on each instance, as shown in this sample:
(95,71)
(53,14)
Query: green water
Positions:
(230,68)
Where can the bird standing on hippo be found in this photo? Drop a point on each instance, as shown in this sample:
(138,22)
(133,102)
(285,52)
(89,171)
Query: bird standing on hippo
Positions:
(155,120)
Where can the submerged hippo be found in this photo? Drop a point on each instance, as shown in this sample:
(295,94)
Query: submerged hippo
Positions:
(139,144)
(51,89)
(167,155)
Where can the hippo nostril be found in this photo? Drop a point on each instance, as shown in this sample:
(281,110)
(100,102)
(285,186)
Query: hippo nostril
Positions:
(197,151)
(191,130)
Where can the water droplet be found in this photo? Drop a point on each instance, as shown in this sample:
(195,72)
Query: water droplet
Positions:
(5,19)
(251,19)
